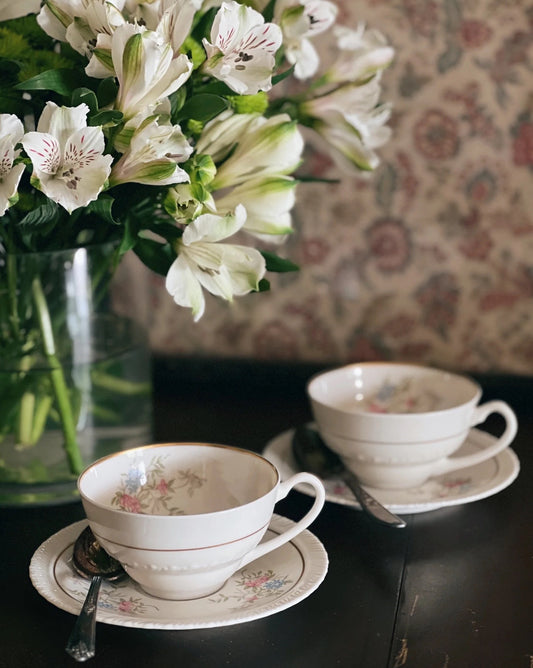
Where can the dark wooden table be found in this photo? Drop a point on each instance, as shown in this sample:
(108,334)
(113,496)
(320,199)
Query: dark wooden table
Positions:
(454,589)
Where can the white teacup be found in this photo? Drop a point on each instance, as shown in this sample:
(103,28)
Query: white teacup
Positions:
(183,517)
(396,425)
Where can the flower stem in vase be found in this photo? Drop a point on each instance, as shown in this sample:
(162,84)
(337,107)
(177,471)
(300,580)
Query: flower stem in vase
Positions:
(25,422)
(58,380)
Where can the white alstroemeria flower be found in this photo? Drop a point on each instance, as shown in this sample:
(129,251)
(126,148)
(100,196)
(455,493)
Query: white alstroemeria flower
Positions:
(352,110)
(145,12)
(171,18)
(91,17)
(268,204)
(267,147)
(67,155)
(221,135)
(351,151)
(14,10)
(352,122)
(175,20)
(56,15)
(301,20)
(363,53)
(145,67)
(101,62)
(99,17)
(223,269)
(153,155)
(242,49)
(352,101)
(11,132)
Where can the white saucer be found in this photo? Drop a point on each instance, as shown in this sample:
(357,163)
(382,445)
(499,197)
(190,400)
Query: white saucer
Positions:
(268,585)
(463,486)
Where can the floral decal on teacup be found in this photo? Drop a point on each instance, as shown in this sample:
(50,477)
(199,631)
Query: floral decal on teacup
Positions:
(404,396)
(150,490)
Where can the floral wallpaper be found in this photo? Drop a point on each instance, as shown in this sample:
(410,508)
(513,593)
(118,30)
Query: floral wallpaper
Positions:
(431,258)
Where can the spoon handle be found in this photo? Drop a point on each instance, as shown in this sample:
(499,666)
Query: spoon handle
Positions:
(370,504)
(81,643)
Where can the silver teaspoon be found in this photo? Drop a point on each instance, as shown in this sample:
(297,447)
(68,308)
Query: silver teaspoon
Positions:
(90,560)
(313,455)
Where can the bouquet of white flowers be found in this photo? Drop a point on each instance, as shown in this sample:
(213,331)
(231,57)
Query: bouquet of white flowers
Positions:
(152,126)
(149,123)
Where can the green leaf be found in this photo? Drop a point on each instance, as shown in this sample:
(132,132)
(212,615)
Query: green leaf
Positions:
(41,215)
(106,117)
(62,81)
(9,70)
(268,11)
(279,264)
(129,239)
(216,88)
(202,23)
(156,256)
(263,285)
(202,107)
(102,207)
(107,91)
(177,100)
(87,96)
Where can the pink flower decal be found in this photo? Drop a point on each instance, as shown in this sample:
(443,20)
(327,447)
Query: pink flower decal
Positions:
(130,503)
(376,408)
(151,489)
(162,486)
(257,582)
(126,606)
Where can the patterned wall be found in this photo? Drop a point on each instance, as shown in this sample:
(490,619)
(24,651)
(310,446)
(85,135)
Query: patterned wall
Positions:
(431,259)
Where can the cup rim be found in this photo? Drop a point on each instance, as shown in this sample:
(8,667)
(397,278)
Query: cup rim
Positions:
(167,518)
(465,378)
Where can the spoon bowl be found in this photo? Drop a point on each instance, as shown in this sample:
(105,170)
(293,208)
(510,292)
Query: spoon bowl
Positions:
(89,558)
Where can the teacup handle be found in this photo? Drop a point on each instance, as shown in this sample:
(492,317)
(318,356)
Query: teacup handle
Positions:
(481,413)
(283,489)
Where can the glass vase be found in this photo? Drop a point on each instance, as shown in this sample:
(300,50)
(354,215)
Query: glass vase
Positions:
(75,380)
